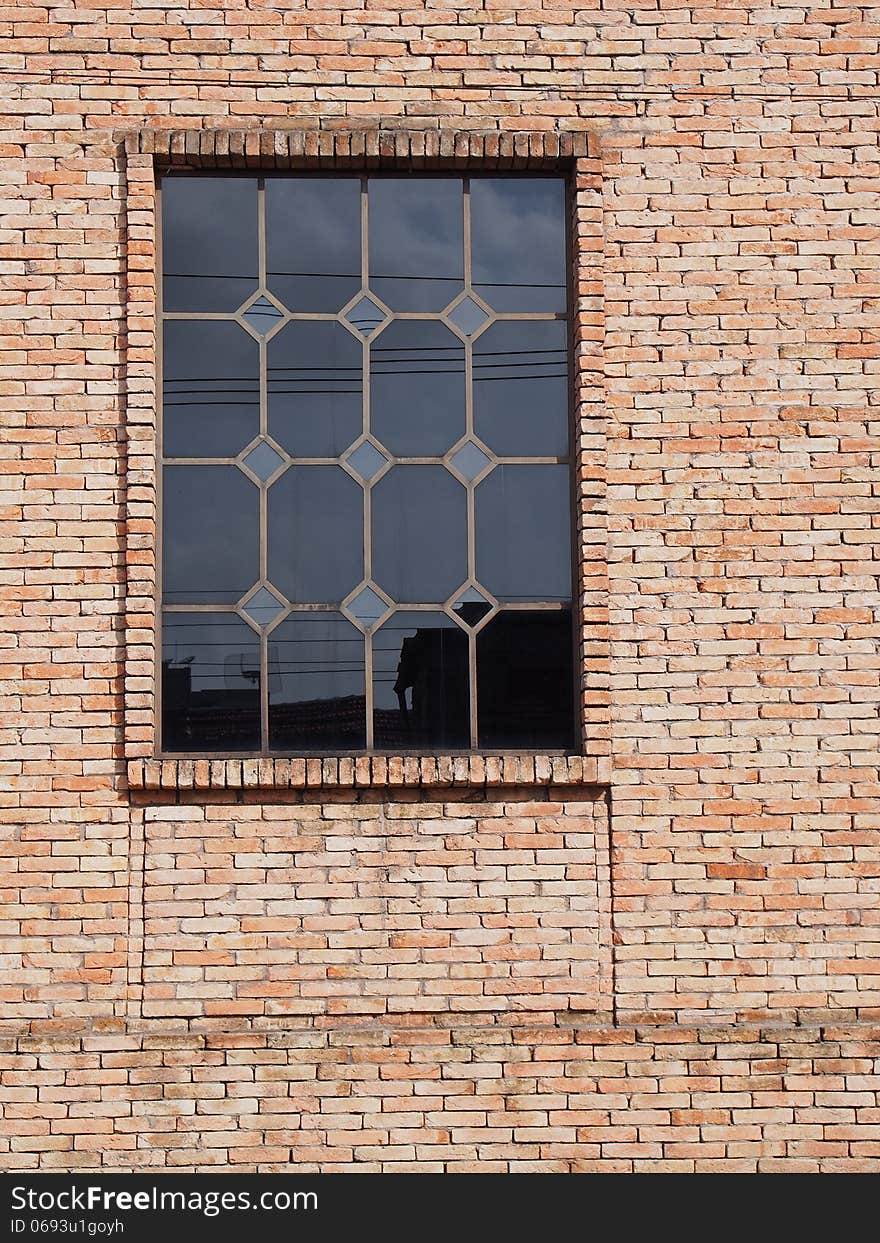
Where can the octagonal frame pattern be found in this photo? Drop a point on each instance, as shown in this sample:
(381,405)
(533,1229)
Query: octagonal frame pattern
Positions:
(469,460)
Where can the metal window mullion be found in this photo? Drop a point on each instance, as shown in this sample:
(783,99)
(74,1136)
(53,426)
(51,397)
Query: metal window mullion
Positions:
(264,491)
(368,570)
(367,485)
(471,489)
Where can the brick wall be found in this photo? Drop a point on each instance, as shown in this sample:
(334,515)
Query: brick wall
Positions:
(554,1100)
(276,912)
(192,968)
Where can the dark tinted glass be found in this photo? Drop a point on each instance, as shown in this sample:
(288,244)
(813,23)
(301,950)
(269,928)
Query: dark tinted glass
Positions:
(316,534)
(315,397)
(316,684)
(525,680)
(211,534)
(417,388)
(313,241)
(370,489)
(210,388)
(471,607)
(210,683)
(518,242)
(209,242)
(522,517)
(420,683)
(521,388)
(419,534)
(416,241)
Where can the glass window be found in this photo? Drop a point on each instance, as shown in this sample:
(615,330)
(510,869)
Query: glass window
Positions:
(518,242)
(209,243)
(366,478)
(210,683)
(420,683)
(210,388)
(416,241)
(315,388)
(313,241)
(316,684)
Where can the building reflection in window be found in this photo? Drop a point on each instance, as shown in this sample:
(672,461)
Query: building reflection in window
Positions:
(525,681)
(420,683)
(316,684)
(210,683)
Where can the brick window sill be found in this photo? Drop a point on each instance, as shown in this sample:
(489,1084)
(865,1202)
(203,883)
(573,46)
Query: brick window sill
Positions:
(362,772)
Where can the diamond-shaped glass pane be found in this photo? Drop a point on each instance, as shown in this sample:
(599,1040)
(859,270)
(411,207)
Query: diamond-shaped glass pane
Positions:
(263,607)
(263,460)
(263,315)
(472,606)
(468,316)
(366,460)
(471,596)
(367,607)
(470,460)
(365,316)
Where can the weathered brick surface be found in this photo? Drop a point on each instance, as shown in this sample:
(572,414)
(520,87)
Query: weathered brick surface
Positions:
(263,914)
(178,943)
(457,1098)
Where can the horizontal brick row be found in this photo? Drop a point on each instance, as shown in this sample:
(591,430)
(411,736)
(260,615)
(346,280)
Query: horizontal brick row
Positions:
(554,1099)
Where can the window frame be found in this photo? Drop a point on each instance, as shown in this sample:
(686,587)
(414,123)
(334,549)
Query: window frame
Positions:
(261,176)
(573,159)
